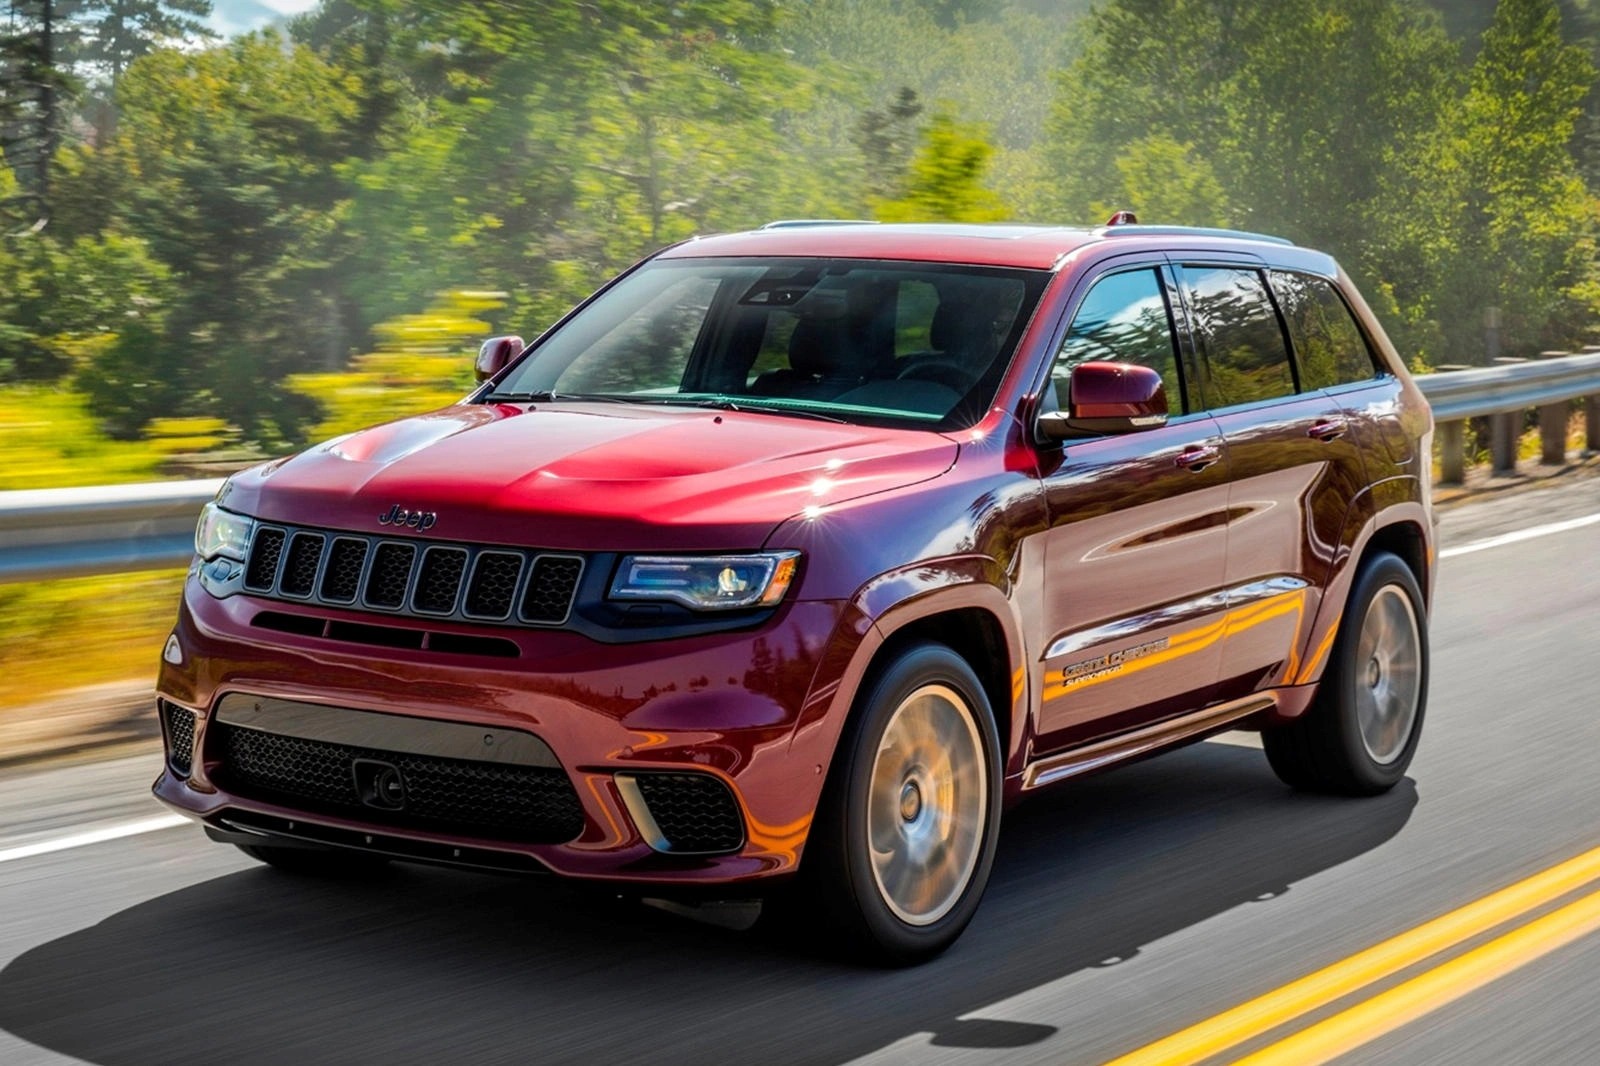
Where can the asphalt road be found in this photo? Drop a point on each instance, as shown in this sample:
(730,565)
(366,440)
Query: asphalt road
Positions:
(1123,907)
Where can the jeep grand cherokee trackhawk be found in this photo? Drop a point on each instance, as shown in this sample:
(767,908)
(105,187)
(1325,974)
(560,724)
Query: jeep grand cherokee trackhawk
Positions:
(784,563)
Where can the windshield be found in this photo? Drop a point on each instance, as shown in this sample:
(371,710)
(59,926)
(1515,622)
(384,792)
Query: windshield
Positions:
(855,340)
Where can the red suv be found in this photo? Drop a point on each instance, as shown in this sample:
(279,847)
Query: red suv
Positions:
(784,563)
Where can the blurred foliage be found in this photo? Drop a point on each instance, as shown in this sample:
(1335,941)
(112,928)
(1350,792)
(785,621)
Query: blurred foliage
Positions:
(50,441)
(1491,211)
(422,362)
(1358,127)
(943,182)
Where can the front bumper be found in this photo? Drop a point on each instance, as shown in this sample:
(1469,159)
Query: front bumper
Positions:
(735,706)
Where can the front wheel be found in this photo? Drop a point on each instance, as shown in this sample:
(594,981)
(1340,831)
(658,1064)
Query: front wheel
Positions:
(1361,731)
(905,836)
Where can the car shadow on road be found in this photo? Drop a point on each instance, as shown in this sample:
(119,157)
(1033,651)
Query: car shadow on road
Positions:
(436,966)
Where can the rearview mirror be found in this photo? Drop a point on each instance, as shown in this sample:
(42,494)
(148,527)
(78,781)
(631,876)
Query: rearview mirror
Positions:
(495,353)
(1104,398)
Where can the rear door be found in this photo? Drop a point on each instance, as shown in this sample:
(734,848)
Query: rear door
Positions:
(1332,353)
(1295,467)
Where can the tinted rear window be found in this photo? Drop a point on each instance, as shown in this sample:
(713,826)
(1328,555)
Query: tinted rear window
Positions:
(1328,344)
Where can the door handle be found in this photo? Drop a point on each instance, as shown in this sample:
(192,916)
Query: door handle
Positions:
(1196,457)
(1327,429)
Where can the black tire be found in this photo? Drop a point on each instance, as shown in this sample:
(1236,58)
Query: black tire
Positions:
(316,862)
(924,908)
(1326,749)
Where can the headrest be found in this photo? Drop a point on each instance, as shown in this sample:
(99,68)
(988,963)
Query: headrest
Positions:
(822,347)
(962,328)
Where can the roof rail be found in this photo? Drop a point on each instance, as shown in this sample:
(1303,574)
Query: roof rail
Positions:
(801,223)
(1138,230)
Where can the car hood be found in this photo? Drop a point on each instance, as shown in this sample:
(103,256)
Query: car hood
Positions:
(599,477)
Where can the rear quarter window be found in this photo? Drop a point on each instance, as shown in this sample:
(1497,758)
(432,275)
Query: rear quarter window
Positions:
(1328,344)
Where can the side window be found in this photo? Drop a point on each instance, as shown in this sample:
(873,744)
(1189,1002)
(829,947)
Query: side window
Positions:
(1328,345)
(1123,319)
(1238,331)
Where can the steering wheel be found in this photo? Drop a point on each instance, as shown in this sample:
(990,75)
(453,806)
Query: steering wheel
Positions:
(945,372)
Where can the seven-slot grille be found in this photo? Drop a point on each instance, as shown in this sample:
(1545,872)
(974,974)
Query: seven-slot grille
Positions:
(475,583)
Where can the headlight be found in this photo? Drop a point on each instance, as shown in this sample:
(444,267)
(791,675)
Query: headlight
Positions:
(222,534)
(707,582)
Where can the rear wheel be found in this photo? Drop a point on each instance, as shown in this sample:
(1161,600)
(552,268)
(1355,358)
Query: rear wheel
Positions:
(905,836)
(1361,731)
(316,862)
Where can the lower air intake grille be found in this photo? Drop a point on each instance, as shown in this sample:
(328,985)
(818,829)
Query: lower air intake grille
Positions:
(530,804)
(695,812)
(180,737)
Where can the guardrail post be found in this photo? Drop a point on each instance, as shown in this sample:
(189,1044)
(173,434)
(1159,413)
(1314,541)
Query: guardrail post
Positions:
(1505,428)
(1591,420)
(1503,434)
(1453,453)
(1553,433)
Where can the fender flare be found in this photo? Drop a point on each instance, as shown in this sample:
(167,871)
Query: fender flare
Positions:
(1378,507)
(885,606)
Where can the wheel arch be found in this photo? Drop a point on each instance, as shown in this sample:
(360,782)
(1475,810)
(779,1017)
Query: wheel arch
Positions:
(1391,518)
(977,635)
(968,613)
(1403,537)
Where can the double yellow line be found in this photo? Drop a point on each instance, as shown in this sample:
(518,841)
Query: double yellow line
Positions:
(1405,1002)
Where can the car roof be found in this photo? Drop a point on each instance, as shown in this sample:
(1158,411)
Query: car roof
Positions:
(1003,244)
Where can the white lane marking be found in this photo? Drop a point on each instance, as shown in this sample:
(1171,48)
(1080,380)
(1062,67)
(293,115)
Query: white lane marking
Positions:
(1520,535)
(93,836)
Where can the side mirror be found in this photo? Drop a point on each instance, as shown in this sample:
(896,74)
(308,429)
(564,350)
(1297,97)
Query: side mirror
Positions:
(1105,398)
(495,353)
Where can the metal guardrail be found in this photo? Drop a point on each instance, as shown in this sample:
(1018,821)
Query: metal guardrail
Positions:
(1493,390)
(49,533)
(1504,392)
(100,529)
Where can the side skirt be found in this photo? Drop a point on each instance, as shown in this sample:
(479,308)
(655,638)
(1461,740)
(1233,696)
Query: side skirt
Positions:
(1144,740)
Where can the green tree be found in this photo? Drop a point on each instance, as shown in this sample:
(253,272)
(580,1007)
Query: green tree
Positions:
(944,181)
(552,144)
(113,33)
(35,91)
(66,301)
(1163,180)
(1493,212)
(1297,107)
(237,154)
(887,138)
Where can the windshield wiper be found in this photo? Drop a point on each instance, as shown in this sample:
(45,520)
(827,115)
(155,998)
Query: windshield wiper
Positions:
(547,396)
(721,404)
(521,397)
(717,403)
